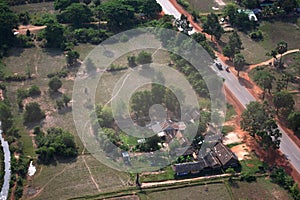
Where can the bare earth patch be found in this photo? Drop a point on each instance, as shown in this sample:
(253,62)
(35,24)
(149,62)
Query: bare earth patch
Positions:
(231,138)
(33,29)
(241,151)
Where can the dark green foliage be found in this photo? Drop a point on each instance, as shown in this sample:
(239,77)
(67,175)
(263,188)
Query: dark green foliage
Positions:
(151,144)
(24,41)
(61,74)
(37,130)
(257,35)
(114,67)
(234,45)
(77,14)
(90,35)
(264,79)
(54,84)
(131,61)
(150,8)
(33,113)
(239,62)
(72,57)
(24,18)
(63,4)
(56,142)
(5,116)
(66,99)
(34,91)
(54,34)
(15,77)
(104,116)
(261,125)
(8,21)
(248,177)
(294,121)
(251,4)
(185,4)
(283,102)
(212,27)
(144,58)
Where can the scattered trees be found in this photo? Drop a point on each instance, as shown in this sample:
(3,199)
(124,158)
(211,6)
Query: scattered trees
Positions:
(212,27)
(76,14)
(264,79)
(54,34)
(72,57)
(281,48)
(261,125)
(56,142)
(283,102)
(234,45)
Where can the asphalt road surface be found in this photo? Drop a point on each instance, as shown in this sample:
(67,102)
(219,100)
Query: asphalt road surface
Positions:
(287,146)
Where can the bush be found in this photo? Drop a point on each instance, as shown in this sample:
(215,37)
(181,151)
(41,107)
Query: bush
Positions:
(144,58)
(185,4)
(34,91)
(248,177)
(16,77)
(33,112)
(55,83)
(124,38)
(113,68)
(61,74)
(256,35)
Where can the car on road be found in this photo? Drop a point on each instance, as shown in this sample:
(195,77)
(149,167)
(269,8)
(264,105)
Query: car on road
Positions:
(219,65)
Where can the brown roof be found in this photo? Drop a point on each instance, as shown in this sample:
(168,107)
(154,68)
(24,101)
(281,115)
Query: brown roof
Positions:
(223,153)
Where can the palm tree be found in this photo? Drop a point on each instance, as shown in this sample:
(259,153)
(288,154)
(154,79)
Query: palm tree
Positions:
(281,49)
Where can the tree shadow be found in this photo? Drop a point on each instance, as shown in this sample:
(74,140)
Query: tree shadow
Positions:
(15,52)
(65,110)
(55,94)
(53,52)
(245,82)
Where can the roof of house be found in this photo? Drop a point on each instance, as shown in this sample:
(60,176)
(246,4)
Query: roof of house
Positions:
(223,153)
(209,160)
(187,167)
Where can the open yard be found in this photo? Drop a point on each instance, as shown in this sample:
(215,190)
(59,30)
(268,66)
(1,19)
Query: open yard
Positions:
(204,6)
(67,177)
(205,192)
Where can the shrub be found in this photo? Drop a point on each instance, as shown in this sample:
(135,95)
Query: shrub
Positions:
(248,177)
(33,112)
(256,35)
(113,68)
(61,74)
(34,91)
(144,58)
(55,83)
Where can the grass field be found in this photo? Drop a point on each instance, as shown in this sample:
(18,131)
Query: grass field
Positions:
(62,180)
(205,192)
(44,7)
(261,189)
(203,6)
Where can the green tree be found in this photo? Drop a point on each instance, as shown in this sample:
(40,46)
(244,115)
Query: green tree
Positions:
(158,92)
(104,116)
(54,84)
(118,14)
(284,102)
(141,102)
(281,48)
(233,46)
(54,34)
(77,14)
(5,116)
(265,80)
(212,27)
(131,61)
(8,21)
(63,4)
(144,58)
(230,10)
(294,120)
(250,4)
(150,8)
(66,99)
(24,18)
(33,112)
(72,57)
(261,125)
(34,90)
(239,63)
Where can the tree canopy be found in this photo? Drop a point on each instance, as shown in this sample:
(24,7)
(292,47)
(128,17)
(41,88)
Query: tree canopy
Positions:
(55,83)
(33,112)
(261,125)
(212,27)
(283,102)
(239,62)
(8,21)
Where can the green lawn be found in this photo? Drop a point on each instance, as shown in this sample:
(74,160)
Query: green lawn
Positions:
(204,6)
(261,189)
(62,180)
(205,192)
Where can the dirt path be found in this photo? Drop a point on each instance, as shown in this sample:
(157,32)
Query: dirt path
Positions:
(151,184)
(22,29)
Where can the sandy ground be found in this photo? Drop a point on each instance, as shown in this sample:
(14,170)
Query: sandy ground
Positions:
(33,29)
(241,151)
(231,138)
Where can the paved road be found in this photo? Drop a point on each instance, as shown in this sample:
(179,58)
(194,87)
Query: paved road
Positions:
(5,187)
(287,146)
